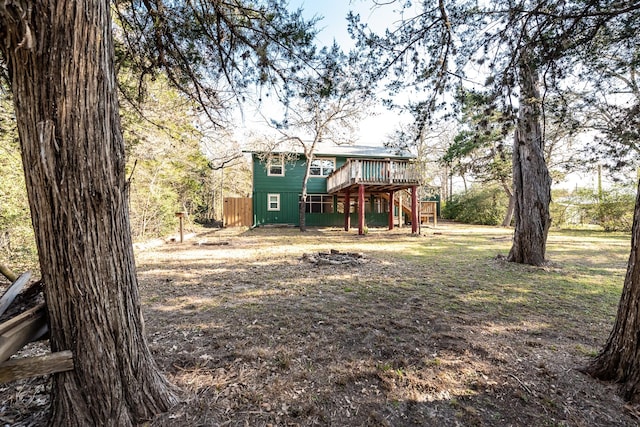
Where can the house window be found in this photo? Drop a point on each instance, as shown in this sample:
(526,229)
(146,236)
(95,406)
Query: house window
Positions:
(275,165)
(273,202)
(353,205)
(318,203)
(322,167)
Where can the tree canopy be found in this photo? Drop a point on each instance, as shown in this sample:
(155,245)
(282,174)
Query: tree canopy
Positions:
(516,52)
(213,51)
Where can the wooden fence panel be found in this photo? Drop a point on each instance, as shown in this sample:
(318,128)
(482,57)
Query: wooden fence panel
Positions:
(238,212)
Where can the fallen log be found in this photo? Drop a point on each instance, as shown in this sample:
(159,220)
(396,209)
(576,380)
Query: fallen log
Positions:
(27,367)
(15,333)
(211,244)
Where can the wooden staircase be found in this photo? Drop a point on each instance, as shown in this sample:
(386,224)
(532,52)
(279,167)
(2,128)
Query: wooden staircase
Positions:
(427,210)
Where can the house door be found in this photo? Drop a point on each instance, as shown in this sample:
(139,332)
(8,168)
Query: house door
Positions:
(238,212)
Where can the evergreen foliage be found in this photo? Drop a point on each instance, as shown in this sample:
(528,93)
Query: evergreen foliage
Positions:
(483,205)
(609,102)
(518,53)
(481,148)
(213,51)
(168,171)
(167,168)
(612,210)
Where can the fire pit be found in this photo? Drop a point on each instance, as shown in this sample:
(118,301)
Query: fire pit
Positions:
(335,257)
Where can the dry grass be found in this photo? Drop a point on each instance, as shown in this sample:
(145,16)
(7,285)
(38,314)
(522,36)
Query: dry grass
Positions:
(431,330)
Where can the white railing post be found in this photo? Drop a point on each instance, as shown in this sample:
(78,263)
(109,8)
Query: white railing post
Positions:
(373,171)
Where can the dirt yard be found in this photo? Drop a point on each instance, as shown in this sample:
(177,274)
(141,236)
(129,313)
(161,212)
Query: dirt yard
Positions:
(429,330)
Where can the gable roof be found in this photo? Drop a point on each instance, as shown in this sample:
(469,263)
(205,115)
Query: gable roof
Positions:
(363,151)
(356,151)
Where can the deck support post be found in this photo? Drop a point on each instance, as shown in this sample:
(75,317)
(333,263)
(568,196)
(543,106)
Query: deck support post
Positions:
(347,210)
(391,208)
(400,210)
(414,209)
(361,209)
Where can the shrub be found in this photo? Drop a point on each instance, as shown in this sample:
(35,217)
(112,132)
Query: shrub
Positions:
(479,205)
(614,212)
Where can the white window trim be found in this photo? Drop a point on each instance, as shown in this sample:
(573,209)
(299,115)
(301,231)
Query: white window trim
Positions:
(277,200)
(333,159)
(272,161)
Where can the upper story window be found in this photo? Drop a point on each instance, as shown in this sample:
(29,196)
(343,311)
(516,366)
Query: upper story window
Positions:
(275,165)
(322,167)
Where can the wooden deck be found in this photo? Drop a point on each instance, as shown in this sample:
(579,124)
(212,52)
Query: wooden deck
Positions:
(382,176)
(378,175)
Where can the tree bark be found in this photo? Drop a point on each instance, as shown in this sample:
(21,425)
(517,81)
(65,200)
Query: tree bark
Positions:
(59,57)
(532,183)
(619,360)
(302,207)
(308,155)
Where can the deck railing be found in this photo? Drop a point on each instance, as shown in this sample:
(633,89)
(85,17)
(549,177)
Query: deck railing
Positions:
(373,172)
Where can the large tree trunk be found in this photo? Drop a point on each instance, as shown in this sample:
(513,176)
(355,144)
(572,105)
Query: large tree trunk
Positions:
(619,360)
(59,57)
(532,183)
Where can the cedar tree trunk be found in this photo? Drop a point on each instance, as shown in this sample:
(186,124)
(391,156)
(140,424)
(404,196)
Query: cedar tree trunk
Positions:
(531,180)
(619,360)
(59,57)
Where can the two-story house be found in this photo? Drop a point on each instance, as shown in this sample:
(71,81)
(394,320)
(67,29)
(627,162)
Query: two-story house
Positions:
(347,184)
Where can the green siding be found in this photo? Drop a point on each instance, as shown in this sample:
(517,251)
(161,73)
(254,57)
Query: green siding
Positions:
(289,187)
(291,181)
(337,220)
(288,213)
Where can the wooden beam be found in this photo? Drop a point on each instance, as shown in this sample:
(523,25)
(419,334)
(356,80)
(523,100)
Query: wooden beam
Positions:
(347,210)
(391,209)
(414,210)
(361,209)
(400,210)
(434,206)
(11,293)
(22,329)
(28,367)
